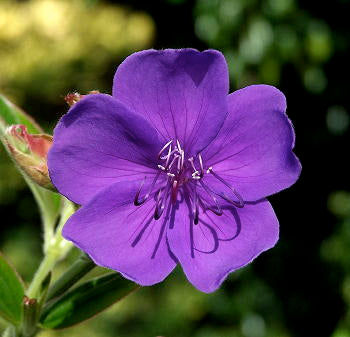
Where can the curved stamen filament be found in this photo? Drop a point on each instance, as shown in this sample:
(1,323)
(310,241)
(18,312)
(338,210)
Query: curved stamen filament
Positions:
(181,156)
(172,162)
(240,202)
(137,201)
(178,146)
(180,161)
(197,174)
(162,197)
(192,164)
(168,157)
(163,149)
(174,190)
(195,205)
(218,210)
(201,165)
(159,205)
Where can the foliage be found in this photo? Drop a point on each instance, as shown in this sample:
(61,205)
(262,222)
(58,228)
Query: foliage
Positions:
(261,36)
(63,44)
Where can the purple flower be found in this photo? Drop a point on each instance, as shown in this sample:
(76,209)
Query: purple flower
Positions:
(171,169)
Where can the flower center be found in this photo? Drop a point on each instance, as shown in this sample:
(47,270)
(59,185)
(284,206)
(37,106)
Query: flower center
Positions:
(176,171)
(176,166)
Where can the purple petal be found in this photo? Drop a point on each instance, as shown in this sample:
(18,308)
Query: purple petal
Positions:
(219,245)
(120,236)
(253,150)
(182,93)
(99,142)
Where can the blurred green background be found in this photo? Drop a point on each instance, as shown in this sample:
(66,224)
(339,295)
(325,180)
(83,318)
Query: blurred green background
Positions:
(49,48)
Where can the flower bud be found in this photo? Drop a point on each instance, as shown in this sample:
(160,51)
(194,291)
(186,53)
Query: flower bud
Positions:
(29,151)
(75,97)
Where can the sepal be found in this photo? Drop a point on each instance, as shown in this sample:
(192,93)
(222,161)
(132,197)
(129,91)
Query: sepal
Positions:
(29,152)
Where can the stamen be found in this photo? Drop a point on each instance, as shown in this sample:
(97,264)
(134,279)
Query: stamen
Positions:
(240,202)
(169,154)
(197,174)
(174,191)
(174,156)
(179,162)
(195,205)
(162,197)
(168,157)
(192,164)
(182,159)
(138,202)
(163,148)
(201,165)
(178,146)
(218,210)
(159,206)
(172,162)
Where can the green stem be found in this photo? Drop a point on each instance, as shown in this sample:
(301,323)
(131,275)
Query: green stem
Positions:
(48,234)
(30,316)
(68,208)
(57,249)
(45,267)
(79,269)
(47,209)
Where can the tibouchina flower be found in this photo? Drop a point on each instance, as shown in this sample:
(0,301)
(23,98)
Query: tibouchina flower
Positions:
(171,169)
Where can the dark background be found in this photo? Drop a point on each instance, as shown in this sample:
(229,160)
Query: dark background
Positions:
(299,288)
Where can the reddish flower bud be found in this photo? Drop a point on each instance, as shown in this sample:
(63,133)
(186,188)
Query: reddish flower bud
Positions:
(75,97)
(29,151)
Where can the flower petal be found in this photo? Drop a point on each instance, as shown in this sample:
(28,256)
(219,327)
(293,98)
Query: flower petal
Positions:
(253,150)
(219,245)
(182,93)
(120,236)
(99,142)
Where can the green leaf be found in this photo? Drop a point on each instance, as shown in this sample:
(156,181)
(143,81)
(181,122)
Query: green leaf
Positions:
(11,114)
(11,293)
(86,300)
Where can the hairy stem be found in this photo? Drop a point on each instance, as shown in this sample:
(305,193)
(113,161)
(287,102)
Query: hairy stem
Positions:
(45,267)
(56,250)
